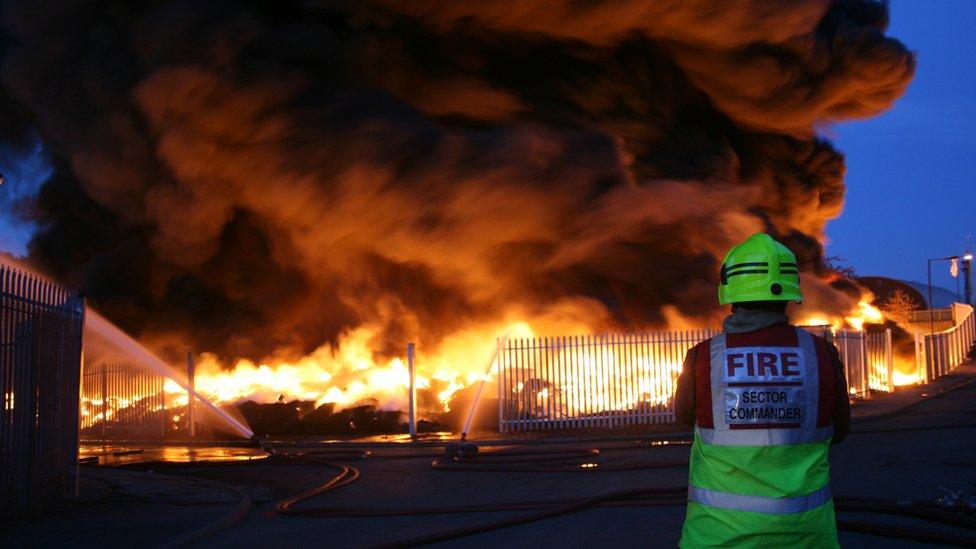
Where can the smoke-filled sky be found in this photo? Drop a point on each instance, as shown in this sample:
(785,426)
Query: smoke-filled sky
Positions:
(260,178)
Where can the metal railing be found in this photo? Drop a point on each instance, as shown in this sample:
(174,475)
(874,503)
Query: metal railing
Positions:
(868,360)
(590,381)
(939,353)
(629,379)
(122,400)
(127,401)
(936,315)
(880,362)
(41,326)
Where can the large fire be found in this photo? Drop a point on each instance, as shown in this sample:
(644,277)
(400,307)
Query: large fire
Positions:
(350,372)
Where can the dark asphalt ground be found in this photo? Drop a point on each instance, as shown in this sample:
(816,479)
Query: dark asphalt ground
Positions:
(894,452)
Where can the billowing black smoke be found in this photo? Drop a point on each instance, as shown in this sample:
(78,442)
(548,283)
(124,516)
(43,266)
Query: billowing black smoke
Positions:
(252,179)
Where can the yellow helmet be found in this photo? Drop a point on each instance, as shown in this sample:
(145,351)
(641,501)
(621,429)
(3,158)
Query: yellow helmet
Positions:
(759,269)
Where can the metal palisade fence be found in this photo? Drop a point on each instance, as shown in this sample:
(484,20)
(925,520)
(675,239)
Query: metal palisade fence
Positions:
(617,380)
(123,400)
(590,381)
(939,353)
(41,328)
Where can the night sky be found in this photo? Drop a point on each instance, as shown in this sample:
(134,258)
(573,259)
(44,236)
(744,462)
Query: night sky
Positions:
(910,171)
(909,194)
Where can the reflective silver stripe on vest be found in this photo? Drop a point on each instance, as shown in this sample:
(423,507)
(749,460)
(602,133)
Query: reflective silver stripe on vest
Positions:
(763,437)
(812,383)
(759,504)
(722,435)
(717,353)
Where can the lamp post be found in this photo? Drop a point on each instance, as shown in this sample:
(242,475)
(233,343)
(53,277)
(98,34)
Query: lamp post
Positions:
(967,277)
(931,307)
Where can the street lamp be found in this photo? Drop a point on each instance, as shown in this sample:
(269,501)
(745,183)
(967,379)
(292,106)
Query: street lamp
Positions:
(967,276)
(931,308)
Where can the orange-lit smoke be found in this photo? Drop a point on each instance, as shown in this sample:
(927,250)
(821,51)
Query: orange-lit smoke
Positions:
(301,190)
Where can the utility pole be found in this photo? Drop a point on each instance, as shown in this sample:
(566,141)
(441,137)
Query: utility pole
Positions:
(967,277)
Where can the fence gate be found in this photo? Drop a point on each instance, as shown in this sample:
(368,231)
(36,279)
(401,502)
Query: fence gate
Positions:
(122,400)
(40,362)
(590,381)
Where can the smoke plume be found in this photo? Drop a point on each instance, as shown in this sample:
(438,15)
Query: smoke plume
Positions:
(261,179)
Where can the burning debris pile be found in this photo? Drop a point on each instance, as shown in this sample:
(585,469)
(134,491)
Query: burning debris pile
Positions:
(309,186)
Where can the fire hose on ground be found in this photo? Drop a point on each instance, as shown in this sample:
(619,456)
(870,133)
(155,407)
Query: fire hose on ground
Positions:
(561,462)
(519,460)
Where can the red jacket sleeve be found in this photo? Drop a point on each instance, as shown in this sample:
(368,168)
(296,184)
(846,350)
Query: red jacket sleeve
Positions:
(684,393)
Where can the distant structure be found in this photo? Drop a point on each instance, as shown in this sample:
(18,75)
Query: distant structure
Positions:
(883,287)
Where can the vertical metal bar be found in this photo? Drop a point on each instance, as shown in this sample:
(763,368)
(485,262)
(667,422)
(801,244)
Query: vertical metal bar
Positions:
(559,396)
(592,375)
(547,385)
(534,381)
(104,399)
(604,401)
(526,388)
(619,373)
(606,346)
(610,362)
(660,350)
(513,385)
(504,386)
(577,382)
(632,378)
(161,398)
(651,375)
(582,383)
(191,376)
(594,356)
(642,377)
(585,384)
(542,384)
(635,388)
(412,392)
(650,362)
(567,380)
(521,412)
(498,382)
(554,382)
(613,367)
(566,375)
(608,366)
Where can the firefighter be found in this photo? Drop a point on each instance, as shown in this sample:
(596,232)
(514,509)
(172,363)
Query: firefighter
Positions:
(766,401)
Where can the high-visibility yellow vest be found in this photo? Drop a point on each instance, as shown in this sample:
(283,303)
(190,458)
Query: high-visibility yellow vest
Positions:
(758,471)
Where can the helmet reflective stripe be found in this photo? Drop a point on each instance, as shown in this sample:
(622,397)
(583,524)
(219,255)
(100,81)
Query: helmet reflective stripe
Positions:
(759,504)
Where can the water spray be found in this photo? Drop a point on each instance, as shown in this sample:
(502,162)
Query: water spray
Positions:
(463,448)
(99,325)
